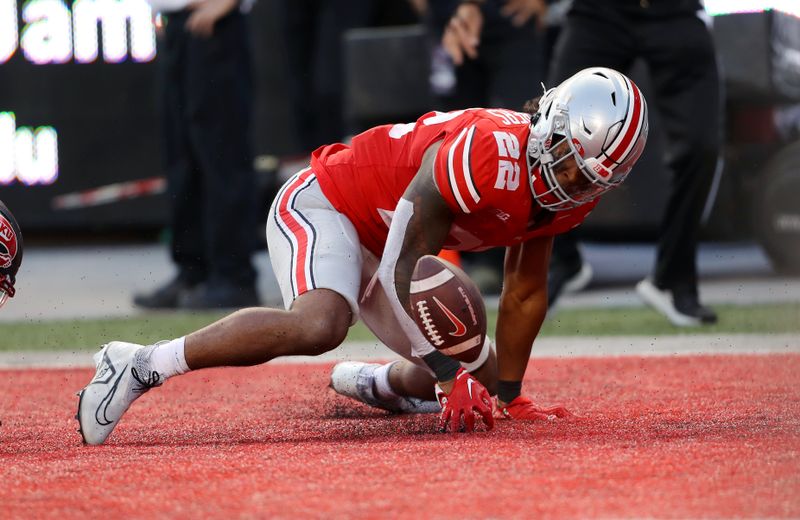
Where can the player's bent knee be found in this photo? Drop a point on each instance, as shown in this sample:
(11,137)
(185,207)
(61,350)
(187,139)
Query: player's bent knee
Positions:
(322,334)
(323,318)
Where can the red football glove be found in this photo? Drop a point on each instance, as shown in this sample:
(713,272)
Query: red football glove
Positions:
(523,409)
(467,398)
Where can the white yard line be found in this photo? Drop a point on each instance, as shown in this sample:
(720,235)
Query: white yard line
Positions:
(551,347)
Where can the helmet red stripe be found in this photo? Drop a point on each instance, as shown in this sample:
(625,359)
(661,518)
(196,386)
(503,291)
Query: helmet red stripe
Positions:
(613,156)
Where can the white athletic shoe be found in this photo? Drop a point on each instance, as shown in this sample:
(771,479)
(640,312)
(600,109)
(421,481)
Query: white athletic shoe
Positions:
(122,375)
(662,301)
(354,379)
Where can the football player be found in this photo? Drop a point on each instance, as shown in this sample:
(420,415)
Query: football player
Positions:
(10,253)
(345,235)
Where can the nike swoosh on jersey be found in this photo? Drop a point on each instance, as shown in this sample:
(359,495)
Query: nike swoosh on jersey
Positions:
(461,329)
(469,386)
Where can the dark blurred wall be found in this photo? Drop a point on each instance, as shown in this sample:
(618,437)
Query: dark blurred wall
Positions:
(57,81)
(75,116)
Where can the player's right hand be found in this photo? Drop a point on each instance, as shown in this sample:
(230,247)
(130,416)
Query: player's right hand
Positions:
(466,398)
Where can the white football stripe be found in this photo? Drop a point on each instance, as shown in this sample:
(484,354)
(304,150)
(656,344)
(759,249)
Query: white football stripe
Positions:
(482,357)
(462,347)
(639,123)
(452,173)
(430,282)
(465,165)
(628,122)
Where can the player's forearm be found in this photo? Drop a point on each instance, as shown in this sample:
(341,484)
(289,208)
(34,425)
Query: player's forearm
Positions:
(518,323)
(394,273)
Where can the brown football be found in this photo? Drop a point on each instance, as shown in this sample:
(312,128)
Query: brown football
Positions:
(448,308)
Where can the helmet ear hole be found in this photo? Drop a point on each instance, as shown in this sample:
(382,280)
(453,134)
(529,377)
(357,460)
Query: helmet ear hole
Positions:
(613,130)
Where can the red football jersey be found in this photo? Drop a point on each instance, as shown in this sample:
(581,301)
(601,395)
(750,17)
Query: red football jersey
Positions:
(480,170)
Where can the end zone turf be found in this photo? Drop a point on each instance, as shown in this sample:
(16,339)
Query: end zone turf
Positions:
(694,436)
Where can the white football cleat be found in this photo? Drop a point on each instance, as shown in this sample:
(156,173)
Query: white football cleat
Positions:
(121,377)
(355,380)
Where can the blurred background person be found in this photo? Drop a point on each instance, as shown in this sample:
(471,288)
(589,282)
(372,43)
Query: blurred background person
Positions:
(498,52)
(313,33)
(497,49)
(313,30)
(206,106)
(672,37)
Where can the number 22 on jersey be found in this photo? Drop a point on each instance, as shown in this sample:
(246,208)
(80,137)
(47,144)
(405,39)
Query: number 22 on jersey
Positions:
(508,166)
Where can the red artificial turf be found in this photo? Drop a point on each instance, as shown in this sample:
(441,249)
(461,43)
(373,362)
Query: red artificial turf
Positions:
(701,436)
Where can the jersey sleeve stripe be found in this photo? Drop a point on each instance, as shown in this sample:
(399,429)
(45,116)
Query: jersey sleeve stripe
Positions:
(452,174)
(466,163)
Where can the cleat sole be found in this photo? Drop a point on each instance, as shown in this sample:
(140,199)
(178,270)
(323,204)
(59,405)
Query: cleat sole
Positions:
(78,417)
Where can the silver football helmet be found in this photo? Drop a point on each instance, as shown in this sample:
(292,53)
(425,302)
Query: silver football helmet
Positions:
(599,118)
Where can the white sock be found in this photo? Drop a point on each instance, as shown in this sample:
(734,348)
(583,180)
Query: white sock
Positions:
(383,389)
(168,359)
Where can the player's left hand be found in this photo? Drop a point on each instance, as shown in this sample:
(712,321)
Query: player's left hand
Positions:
(523,409)
(206,13)
(466,399)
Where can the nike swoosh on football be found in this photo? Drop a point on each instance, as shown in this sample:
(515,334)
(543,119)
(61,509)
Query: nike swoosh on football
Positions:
(461,329)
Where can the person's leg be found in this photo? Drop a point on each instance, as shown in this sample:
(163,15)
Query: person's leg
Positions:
(568,271)
(601,39)
(219,106)
(406,385)
(316,257)
(316,323)
(334,19)
(514,63)
(685,77)
(184,183)
(403,386)
(682,62)
(317,260)
(409,379)
(298,20)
